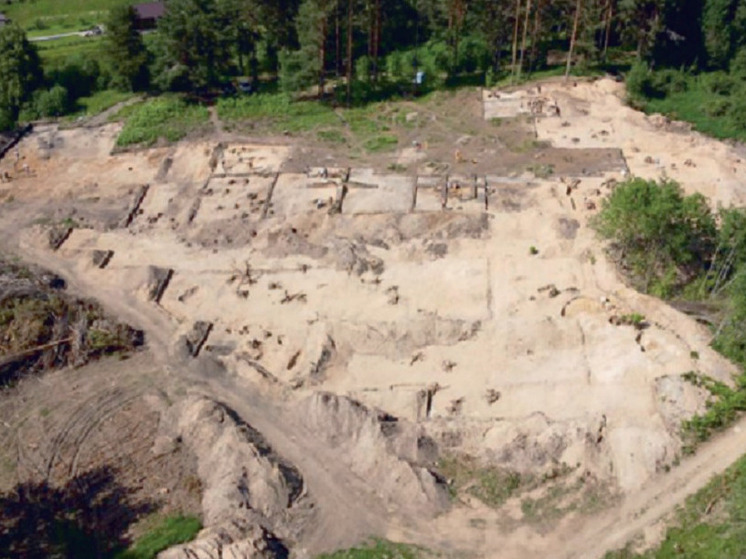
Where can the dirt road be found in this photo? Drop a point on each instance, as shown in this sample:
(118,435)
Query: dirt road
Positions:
(347,510)
(657,498)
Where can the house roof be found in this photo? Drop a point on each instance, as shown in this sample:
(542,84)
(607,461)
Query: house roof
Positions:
(150,10)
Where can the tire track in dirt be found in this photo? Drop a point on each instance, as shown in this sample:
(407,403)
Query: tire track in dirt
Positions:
(81,422)
(347,509)
(658,497)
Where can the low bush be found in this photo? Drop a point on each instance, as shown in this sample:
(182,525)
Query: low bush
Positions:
(664,239)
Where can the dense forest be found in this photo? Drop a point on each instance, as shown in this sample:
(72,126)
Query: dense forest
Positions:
(357,50)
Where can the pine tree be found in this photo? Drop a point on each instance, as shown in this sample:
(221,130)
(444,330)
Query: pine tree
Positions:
(195,39)
(306,65)
(125,50)
(20,72)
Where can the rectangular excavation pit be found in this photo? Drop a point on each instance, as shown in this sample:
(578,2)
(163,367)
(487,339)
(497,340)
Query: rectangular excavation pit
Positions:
(500,104)
(454,289)
(332,173)
(404,400)
(158,280)
(370,193)
(245,159)
(233,197)
(467,193)
(297,193)
(134,206)
(165,206)
(430,191)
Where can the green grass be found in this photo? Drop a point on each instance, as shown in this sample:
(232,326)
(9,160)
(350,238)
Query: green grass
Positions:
(369,126)
(696,105)
(379,549)
(724,408)
(331,136)
(710,525)
(279,110)
(56,53)
(100,101)
(491,485)
(60,12)
(166,533)
(167,117)
(384,142)
(565,497)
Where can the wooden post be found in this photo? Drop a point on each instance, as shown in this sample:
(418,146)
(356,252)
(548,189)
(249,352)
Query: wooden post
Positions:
(523,40)
(515,36)
(349,52)
(578,7)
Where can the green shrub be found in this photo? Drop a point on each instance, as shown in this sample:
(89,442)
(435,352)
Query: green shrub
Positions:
(52,102)
(719,83)
(384,142)
(363,68)
(666,82)
(664,238)
(638,82)
(738,64)
(7,122)
(719,107)
(737,109)
(731,336)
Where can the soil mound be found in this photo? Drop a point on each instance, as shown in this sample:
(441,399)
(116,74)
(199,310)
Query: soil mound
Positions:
(391,454)
(246,485)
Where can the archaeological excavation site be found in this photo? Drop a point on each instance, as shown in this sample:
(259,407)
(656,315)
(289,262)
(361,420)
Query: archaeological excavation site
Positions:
(308,348)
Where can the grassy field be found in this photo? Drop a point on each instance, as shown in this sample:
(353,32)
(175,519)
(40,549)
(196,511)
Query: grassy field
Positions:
(48,17)
(55,53)
(711,525)
(696,106)
(712,101)
(367,128)
(167,117)
(100,101)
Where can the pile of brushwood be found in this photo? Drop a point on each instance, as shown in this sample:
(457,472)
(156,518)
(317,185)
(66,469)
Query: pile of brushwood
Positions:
(42,327)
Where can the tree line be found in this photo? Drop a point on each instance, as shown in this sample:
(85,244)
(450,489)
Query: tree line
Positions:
(356,47)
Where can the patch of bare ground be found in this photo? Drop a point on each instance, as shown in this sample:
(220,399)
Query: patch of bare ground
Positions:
(67,424)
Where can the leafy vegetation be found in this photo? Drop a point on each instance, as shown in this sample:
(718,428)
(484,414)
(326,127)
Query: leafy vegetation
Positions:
(663,237)
(167,532)
(491,485)
(379,549)
(710,525)
(358,52)
(722,409)
(38,325)
(284,113)
(101,100)
(560,499)
(672,245)
(170,118)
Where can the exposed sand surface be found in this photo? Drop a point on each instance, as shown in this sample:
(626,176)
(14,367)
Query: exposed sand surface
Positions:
(477,307)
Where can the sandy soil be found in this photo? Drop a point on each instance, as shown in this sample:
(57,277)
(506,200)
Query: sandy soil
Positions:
(373,284)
